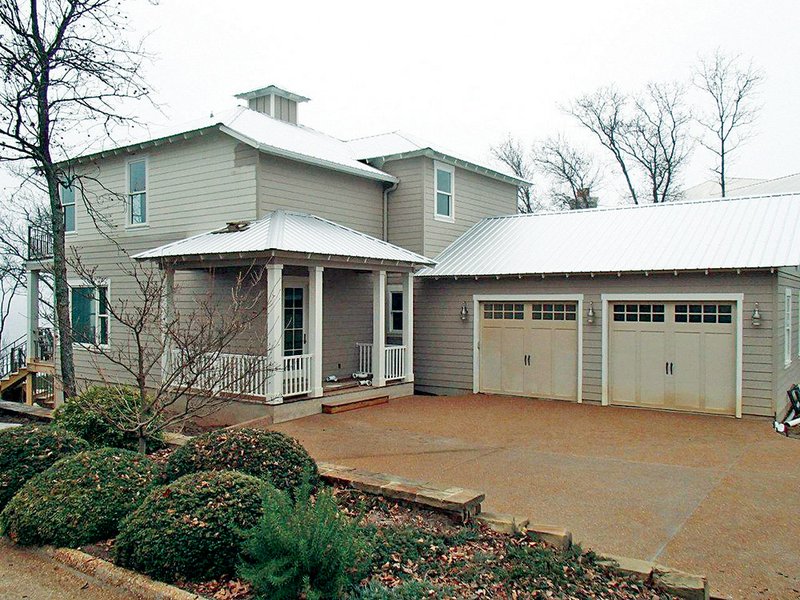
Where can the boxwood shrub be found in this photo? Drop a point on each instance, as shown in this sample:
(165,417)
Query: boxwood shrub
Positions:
(28,450)
(193,528)
(79,499)
(268,455)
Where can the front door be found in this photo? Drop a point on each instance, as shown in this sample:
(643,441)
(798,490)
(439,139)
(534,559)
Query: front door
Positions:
(294,320)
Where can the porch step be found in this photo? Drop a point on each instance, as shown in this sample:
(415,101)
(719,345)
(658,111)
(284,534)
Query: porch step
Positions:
(26,409)
(331,407)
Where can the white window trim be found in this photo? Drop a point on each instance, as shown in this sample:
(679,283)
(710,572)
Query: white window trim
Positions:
(438,166)
(79,283)
(787,327)
(128,207)
(75,209)
(798,323)
(392,289)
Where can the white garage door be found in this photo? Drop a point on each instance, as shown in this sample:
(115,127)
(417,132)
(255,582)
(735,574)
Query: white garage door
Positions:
(675,355)
(529,349)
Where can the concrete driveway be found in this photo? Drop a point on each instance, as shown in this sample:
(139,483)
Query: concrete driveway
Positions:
(705,494)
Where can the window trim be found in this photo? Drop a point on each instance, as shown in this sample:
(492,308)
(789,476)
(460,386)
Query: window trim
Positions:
(798,323)
(106,283)
(439,166)
(393,289)
(787,328)
(74,206)
(129,224)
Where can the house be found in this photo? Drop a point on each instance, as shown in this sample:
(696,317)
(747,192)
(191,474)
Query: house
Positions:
(396,257)
(742,186)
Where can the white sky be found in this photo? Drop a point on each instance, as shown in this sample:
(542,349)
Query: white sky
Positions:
(465,74)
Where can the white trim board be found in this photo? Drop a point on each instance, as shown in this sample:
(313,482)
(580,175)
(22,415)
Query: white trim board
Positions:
(476,328)
(605,299)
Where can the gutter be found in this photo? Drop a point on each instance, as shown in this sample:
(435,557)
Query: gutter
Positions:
(386,192)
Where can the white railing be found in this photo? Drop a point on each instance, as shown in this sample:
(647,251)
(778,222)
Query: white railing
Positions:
(395,363)
(296,375)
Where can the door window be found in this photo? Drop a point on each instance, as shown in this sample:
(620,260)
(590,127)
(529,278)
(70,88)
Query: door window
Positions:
(703,313)
(554,312)
(503,310)
(293,322)
(639,313)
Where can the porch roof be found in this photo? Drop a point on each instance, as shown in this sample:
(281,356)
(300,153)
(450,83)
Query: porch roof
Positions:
(285,231)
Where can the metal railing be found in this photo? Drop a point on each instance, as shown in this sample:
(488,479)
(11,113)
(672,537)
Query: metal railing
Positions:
(40,243)
(14,356)
(395,360)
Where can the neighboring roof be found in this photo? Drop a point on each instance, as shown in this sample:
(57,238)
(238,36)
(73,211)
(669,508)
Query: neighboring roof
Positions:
(268,135)
(711,188)
(287,231)
(788,184)
(731,233)
(397,144)
(272,90)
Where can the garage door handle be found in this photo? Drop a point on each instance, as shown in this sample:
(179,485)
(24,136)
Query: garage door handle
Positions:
(671,369)
(666,368)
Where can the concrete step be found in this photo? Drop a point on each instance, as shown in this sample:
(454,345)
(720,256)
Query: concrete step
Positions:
(332,407)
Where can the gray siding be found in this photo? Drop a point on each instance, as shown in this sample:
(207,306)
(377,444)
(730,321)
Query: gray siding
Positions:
(786,376)
(346,319)
(443,343)
(345,199)
(406,223)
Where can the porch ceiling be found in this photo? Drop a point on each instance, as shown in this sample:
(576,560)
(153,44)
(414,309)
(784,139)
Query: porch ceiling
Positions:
(294,235)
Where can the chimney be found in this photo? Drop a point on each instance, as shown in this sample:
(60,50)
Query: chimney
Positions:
(275,102)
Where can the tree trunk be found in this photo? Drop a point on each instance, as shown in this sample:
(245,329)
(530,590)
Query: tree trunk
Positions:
(722,168)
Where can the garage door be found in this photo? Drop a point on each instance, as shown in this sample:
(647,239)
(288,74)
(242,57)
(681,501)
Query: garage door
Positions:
(674,355)
(529,349)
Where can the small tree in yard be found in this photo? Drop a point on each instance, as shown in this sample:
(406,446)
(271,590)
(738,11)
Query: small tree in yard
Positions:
(173,360)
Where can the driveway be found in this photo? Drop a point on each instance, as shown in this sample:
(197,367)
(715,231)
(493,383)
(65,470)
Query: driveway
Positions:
(704,494)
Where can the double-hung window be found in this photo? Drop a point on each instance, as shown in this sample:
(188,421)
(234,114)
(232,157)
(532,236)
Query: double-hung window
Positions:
(787,327)
(395,311)
(67,193)
(444,176)
(137,192)
(89,309)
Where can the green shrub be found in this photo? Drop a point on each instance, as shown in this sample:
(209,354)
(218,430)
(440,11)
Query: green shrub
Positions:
(192,528)
(92,415)
(80,499)
(302,548)
(408,590)
(28,450)
(268,455)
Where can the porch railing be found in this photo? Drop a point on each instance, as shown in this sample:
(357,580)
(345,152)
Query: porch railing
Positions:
(395,360)
(40,243)
(296,375)
(13,356)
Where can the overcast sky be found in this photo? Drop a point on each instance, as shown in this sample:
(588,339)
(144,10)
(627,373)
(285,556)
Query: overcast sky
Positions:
(466,74)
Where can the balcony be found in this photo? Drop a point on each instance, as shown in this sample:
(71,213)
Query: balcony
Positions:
(40,243)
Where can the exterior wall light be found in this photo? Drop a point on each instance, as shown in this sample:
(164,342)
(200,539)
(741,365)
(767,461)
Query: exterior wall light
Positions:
(756,318)
(464,312)
(590,313)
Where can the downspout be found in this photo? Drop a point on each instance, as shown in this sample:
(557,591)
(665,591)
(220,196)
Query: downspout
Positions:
(386,192)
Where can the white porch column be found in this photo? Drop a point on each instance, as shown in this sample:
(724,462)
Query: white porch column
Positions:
(315,328)
(408,325)
(379,328)
(33,314)
(275,333)
(167,318)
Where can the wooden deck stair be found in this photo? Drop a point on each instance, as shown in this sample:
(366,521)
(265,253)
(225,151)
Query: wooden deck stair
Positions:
(13,379)
(331,407)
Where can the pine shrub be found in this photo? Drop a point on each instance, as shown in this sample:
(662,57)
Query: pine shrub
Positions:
(302,547)
(31,449)
(191,529)
(79,499)
(268,455)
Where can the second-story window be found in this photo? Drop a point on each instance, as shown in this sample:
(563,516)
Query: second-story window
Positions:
(443,183)
(137,192)
(68,206)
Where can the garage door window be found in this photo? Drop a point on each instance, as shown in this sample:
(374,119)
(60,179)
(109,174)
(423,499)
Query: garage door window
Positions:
(703,313)
(553,312)
(503,310)
(639,313)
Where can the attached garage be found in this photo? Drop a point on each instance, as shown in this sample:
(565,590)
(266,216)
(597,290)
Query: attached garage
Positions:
(645,306)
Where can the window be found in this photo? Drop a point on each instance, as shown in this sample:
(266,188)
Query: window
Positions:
(787,327)
(554,312)
(704,313)
(395,311)
(293,326)
(137,192)
(443,184)
(89,308)
(639,313)
(798,323)
(67,194)
(503,310)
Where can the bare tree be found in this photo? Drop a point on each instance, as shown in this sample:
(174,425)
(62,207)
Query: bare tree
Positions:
(65,64)
(656,138)
(603,113)
(180,364)
(511,153)
(572,172)
(731,87)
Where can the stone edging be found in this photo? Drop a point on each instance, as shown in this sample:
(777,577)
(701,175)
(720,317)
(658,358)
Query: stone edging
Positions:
(138,585)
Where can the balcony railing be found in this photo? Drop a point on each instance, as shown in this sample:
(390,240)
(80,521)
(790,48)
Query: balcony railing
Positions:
(395,363)
(40,243)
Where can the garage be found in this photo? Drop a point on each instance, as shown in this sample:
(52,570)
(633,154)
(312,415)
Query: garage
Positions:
(529,348)
(677,355)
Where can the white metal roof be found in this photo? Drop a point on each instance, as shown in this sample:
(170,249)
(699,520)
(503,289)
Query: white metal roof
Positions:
(269,135)
(733,233)
(399,143)
(287,231)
